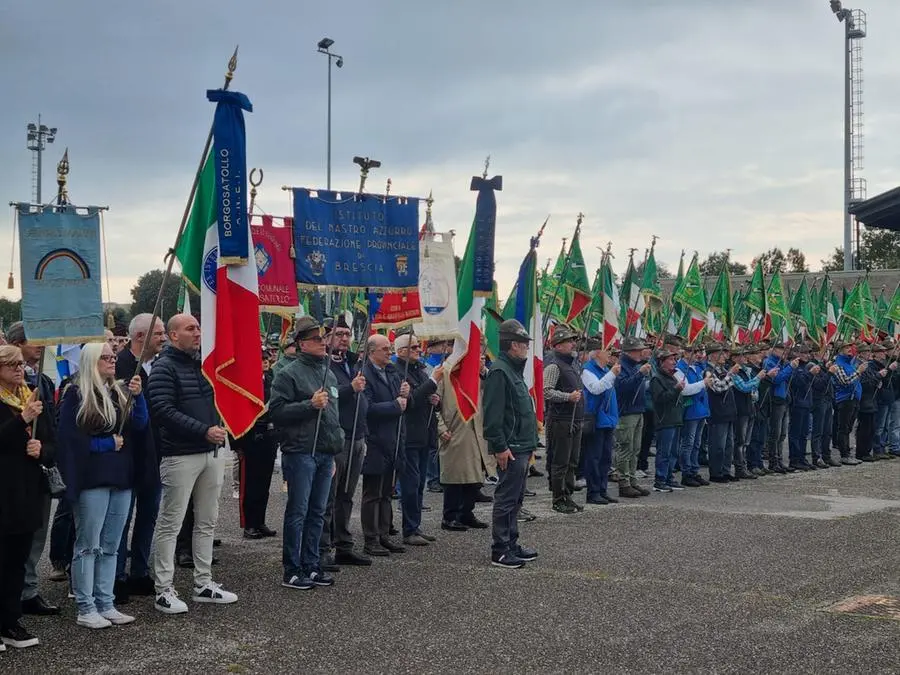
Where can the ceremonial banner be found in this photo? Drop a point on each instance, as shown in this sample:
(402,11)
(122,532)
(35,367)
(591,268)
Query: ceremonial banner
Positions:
(356,241)
(274,266)
(230,152)
(60,266)
(437,289)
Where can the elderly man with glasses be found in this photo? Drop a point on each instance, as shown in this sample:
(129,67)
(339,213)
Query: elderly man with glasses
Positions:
(421,434)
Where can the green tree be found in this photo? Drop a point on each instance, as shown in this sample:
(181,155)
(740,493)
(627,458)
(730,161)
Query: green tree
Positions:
(878,250)
(146,290)
(714,261)
(10,311)
(775,260)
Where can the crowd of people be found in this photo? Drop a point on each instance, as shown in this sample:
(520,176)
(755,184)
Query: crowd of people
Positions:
(132,447)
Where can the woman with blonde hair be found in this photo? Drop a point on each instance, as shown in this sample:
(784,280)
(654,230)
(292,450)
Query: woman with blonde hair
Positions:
(23,487)
(97,463)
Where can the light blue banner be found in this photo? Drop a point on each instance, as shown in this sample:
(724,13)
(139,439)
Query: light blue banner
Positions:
(60,258)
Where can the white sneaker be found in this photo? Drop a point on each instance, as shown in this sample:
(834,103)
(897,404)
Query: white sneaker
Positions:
(2,647)
(214,593)
(580,484)
(640,474)
(116,617)
(236,493)
(168,602)
(92,620)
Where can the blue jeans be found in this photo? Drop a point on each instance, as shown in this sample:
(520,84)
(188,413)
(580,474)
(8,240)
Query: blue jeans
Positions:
(413,473)
(309,483)
(882,427)
(721,448)
(433,476)
(666,452)
(508,497)
(821,429)
(798,435)
(758,442)
(99,519)
(62,535)
(144,507)
(598,449)
(895,428)
(690,450)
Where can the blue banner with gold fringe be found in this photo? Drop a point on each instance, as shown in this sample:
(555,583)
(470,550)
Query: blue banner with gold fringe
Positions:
(60,269)
(356,241)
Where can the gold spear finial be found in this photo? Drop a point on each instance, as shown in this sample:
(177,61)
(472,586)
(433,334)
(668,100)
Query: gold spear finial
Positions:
(580,218)
(232,66)
(62,171)
(387,189)
(429,203)
(487,164)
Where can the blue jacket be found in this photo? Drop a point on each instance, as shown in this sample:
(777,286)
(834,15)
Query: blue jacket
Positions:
(604,405)
(849,391)
(698,404)
(630,387)
(801,388)
(780,383)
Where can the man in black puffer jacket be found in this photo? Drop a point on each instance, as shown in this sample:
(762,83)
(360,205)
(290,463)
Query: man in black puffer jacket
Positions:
(421,435)
(181,405)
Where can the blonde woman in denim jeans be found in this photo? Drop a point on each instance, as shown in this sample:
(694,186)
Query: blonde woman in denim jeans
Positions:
(96,458)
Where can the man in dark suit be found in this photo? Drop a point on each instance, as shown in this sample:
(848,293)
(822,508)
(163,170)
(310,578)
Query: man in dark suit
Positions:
(387,398)
(143,348)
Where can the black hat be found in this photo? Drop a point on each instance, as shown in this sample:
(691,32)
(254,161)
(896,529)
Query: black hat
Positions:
(563,334)
(632,344)
(305,328)
(330,324)
(802,349)
(593,343)
(664,353)
(513,330)
(779,345)
(716,347)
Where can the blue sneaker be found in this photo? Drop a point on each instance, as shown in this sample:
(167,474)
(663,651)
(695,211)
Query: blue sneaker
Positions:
(525,553)
(320,578)
(675,485)
(299,583)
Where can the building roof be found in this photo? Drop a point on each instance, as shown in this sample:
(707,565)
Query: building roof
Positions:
(882,211)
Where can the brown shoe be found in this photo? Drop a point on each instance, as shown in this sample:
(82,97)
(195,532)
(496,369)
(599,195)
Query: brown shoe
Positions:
(644,492)
(627,491)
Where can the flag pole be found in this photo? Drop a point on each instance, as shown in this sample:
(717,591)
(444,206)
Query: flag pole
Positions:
(170,255)
(559,281)
(360,394)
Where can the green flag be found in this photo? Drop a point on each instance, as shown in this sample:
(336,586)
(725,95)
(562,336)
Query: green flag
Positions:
(802,308)
(778,317)
(721,304)
(893,312)
(692,296)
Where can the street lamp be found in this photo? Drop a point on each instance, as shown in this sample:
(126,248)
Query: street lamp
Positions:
(324,45)
(38,137)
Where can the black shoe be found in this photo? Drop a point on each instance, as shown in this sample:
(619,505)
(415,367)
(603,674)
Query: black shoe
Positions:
(321,578)
(700,480)
(526,554)
(562,506)
(143,586)
(351,558)
(391,546)
(777,469)
(530,493)
(732,479)
(425,508)
(534,472)
(790,469)
(719,479)
(37,606)
(482,498)
(866,458)
(393,531)
(453,526)
(571,502)
(328,563)
(16,636)
(599,500)
(253,533)
(185,560)
(217,543)
(376,550)
(474,523)
(609,499)
(436,489)
(426,537)
(121,591)
(525,516)
(689,481)
(268,531)
(508,561)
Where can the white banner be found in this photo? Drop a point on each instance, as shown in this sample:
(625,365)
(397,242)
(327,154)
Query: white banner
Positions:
(437,288)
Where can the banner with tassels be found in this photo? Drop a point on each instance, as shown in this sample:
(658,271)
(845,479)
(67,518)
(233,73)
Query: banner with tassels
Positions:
(60,266)
(273,250)
(350,240)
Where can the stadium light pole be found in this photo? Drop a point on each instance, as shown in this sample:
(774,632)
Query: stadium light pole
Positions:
(324,45)
(38,137)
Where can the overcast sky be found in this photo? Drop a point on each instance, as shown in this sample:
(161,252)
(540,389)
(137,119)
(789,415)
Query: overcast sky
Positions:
(710,123)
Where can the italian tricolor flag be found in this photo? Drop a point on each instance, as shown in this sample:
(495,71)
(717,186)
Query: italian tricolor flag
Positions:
(466,379)
(231,351)
(523,306)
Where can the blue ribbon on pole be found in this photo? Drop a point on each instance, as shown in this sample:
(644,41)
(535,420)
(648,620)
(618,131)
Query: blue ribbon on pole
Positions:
(230,152)
(485,226)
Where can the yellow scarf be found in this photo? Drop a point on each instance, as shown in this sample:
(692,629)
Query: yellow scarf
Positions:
(15,399)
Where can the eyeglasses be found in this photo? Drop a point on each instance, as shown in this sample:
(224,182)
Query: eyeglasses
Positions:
(342,333)
(314,338)
(109,358)
(15,365)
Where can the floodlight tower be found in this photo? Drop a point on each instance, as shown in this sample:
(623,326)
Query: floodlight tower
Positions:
(854,21)
(38,137)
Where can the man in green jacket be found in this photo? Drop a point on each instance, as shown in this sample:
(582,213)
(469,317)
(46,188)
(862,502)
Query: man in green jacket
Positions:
(305,413)
(510,429)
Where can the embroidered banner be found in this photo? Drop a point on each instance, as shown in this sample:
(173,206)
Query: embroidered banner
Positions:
(230,152)
(274,265)
(60,267)
(437,289)
(356,241)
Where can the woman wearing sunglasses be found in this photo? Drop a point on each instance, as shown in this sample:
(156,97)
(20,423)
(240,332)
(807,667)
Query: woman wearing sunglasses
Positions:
(97,462)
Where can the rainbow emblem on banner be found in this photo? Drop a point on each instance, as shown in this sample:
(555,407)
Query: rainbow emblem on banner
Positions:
(62,254)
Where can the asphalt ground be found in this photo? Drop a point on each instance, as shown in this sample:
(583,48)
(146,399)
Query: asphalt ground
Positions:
(721,579)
